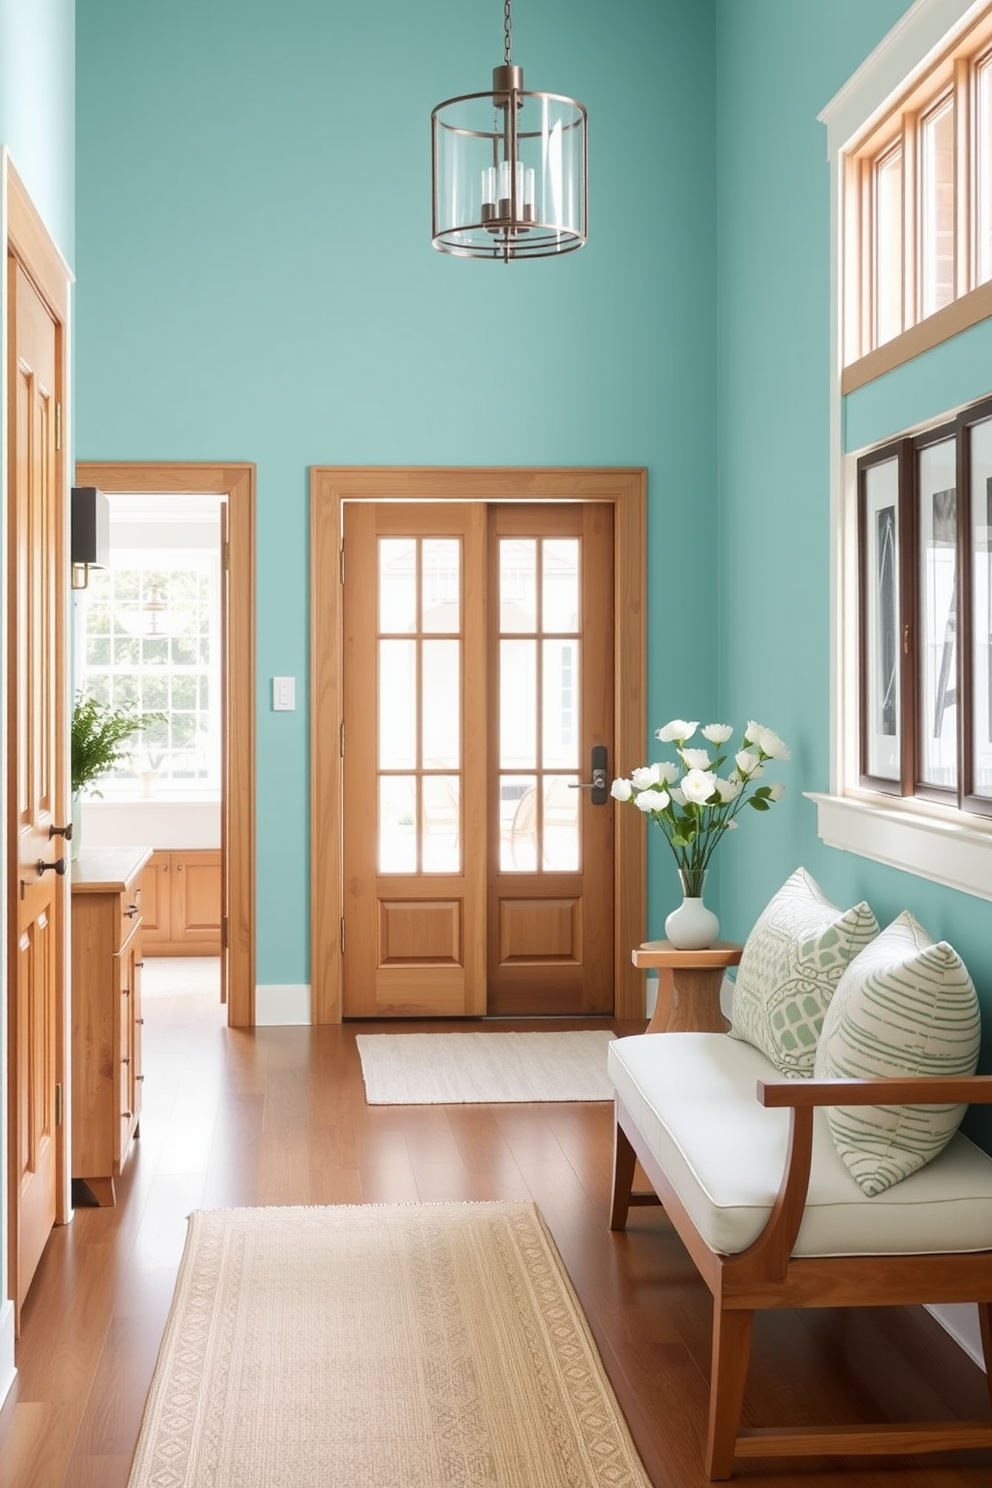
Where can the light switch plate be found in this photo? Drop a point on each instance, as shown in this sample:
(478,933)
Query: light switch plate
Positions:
(283,694)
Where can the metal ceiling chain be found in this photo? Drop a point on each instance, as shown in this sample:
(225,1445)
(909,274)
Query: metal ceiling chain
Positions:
(507,25)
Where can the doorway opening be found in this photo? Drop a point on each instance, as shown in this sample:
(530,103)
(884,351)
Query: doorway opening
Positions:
(398,921)
(226,494)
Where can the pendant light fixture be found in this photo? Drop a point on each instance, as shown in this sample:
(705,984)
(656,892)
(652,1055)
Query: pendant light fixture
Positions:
(509,172)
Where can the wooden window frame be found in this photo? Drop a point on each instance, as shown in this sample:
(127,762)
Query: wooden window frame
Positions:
(906,451)
(952,73)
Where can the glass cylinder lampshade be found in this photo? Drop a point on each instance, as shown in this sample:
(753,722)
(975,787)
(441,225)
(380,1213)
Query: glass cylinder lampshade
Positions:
(509,172)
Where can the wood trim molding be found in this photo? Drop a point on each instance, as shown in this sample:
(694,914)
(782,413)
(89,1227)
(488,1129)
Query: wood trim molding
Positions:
(237,483)
(960,315)
(330,487)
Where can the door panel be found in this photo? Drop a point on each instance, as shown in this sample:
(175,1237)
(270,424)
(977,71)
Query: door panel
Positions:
(36,769)
(478,876)
(414,774)
(550,940)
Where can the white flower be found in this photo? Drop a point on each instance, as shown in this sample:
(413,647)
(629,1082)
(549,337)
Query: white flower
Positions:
(753,732)
(728,790)
(621,790)
(747,762)
(651,800)
(668,772)
(645,776)
(717,733)
(678,797)
(678,729)
(776,791)
(695,759)
(698,785)
(772,746)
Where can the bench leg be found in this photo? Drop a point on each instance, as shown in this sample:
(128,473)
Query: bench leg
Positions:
(732,1332)
(624,1162)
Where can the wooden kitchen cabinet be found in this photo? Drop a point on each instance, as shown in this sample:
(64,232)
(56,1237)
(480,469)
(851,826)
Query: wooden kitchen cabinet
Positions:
(106,1013)
(181,902)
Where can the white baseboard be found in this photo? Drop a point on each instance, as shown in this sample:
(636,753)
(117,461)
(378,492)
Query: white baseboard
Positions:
(279,1005)
(7,1367)
(960,1320)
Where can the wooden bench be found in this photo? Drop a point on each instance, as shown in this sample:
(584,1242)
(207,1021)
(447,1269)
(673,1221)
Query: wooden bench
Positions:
(746,1168)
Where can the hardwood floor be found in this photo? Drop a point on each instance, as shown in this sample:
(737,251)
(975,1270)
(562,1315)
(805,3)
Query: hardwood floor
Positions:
(279,1117)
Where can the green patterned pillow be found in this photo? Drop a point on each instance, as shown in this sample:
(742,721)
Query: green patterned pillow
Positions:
(904,1007)
(792,961)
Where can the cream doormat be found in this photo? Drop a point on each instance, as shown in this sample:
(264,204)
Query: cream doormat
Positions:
(379,1346)
(431,1069)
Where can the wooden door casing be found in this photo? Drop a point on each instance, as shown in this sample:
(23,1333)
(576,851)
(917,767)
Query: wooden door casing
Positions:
(331,488)
(236,483)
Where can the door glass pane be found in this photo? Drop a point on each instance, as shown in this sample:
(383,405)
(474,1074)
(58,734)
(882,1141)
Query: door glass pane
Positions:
(518,823)
(441,841)
(517,705)
(938,616)
(441,587)
(397,705)
(981,603)
(441,711)
(397,585)
(518,584)
(397,824)
(560,802)
(937,215)
(888,246)
(560,588)
(560,713)
(880,646)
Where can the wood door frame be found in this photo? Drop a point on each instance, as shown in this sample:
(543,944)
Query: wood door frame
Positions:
(330,487)
(237,483)
(28,241)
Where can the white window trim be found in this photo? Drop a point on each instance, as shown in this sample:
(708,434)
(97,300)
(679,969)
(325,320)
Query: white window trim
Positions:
(946,846)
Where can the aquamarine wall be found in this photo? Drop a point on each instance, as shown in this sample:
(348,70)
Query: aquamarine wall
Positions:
(37,107)
(256,282)
(777,65)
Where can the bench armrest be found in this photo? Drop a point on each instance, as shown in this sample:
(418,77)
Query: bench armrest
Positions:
(917,1090)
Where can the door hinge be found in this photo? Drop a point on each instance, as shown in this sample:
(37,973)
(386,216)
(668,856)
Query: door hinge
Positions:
(342,563)
(342,935)
(58,1104)
(58,426)
(227,557)
(223,932)
(341,740)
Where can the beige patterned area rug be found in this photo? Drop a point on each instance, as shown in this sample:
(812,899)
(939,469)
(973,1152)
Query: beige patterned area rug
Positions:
(430,1069)
(379,1346)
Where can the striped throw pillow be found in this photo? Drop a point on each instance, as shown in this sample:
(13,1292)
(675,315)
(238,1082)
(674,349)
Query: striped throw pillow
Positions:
(793,959)
(905,1006)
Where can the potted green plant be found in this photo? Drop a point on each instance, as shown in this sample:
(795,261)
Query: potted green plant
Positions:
(101,735)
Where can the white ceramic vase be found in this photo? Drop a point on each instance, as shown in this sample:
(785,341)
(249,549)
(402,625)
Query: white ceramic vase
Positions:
(691,927)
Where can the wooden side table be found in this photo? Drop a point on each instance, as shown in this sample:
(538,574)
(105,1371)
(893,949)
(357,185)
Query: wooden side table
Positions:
(689,985)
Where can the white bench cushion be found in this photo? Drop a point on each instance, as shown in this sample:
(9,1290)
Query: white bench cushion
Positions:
(692,1098)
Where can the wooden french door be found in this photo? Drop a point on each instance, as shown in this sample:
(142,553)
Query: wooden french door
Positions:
(477,655)
(37,795)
